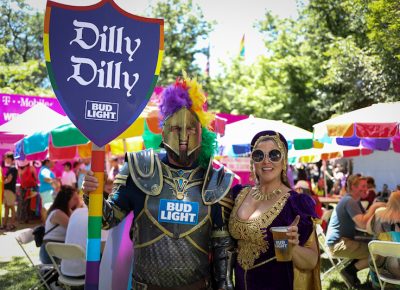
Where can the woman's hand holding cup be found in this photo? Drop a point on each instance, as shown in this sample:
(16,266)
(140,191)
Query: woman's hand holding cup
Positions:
(293,232)
(285,239)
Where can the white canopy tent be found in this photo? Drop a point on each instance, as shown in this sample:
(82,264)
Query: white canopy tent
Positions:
(242,132)
(36,119)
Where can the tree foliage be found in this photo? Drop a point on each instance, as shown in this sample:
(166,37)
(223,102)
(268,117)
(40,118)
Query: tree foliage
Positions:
(184,26)
(336,57)
(22,67)
(339,55)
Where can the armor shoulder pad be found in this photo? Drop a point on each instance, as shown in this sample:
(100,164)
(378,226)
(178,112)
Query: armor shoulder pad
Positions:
(216,185)
(122,176)
(145,170)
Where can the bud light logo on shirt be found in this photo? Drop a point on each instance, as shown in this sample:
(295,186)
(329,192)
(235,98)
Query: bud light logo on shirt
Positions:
(178,212)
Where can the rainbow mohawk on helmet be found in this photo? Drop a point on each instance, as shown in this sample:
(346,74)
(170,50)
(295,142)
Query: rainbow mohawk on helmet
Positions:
(187,93)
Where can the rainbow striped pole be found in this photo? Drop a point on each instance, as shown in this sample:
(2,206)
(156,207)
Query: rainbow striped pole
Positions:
(94,221)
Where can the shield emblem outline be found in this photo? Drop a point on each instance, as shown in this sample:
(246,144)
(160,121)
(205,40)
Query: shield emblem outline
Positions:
(77,99)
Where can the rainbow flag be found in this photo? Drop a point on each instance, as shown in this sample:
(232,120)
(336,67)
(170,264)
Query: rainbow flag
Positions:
(242,48)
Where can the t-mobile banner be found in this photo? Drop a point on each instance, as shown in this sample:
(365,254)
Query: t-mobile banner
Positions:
(13,105)
(103,64)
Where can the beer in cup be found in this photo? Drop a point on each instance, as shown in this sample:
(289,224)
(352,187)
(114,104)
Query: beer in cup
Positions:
(281,244)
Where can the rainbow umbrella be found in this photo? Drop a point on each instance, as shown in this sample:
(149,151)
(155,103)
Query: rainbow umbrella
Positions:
(375,127)
(328,151)
(66,141)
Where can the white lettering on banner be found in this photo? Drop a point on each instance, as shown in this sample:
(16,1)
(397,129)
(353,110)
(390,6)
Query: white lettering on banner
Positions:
(103,39)
(9,116)
(111,41)
(178,212)
(25,102)
(101,111)
(6,100)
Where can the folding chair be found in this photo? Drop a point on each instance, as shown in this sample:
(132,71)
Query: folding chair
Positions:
(337,263)
(385,249)
(66,252)
(326,216)
(24,237)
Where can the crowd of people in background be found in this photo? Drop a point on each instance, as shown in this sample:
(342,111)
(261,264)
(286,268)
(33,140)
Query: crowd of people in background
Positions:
(55,197)
(30,187)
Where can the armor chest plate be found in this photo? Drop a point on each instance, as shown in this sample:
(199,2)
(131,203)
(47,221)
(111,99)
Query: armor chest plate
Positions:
(179,209)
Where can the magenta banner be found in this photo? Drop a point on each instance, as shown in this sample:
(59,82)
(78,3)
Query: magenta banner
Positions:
(13,105)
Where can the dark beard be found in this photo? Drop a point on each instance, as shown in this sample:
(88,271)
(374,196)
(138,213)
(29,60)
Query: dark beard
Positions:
(182,159)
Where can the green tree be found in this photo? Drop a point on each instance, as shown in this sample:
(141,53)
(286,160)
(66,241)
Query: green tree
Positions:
(383,22)
(323,63)
(184,26)
(22,67)
(21,32)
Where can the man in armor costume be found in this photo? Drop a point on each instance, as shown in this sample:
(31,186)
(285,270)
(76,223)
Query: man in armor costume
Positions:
(181,204)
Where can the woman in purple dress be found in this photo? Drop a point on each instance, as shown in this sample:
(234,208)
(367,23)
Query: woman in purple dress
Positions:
(271,203)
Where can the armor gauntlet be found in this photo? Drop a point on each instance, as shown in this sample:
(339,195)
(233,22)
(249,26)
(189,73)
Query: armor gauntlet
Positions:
(112,214)
(223,258)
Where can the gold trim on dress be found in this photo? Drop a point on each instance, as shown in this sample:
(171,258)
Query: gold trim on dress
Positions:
(250,238)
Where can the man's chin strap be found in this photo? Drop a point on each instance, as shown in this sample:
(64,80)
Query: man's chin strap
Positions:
(223,248)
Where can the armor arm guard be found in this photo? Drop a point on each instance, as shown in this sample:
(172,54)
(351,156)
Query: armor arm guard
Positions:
(118,205)
(223,245)
(223,249)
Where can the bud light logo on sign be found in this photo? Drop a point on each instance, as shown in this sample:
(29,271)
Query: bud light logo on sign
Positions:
(101,111)
(103,63)
(178,212)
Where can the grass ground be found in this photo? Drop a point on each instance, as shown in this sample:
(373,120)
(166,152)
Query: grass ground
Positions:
(16,272)
(335,282)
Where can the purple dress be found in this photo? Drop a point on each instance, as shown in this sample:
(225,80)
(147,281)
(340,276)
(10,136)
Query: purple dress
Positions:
(256,267)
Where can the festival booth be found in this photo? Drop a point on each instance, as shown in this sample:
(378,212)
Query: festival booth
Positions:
(39,118)
(234,146)
(67,142)
(374,128)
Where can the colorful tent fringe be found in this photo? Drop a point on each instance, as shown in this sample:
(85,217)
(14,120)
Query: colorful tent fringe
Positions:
(375,127)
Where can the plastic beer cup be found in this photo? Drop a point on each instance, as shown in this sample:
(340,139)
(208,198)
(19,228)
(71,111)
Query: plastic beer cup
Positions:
(281,244)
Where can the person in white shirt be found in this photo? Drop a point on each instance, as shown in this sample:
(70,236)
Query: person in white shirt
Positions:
(77,232)
(68,176)
(58,218)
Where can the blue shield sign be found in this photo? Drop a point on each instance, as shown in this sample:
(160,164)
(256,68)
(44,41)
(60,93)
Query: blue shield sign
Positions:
(103,64)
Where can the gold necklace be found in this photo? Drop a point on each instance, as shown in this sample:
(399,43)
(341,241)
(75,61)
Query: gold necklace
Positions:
(258,195)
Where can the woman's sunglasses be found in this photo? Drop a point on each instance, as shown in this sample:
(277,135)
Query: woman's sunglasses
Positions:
(274,155)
